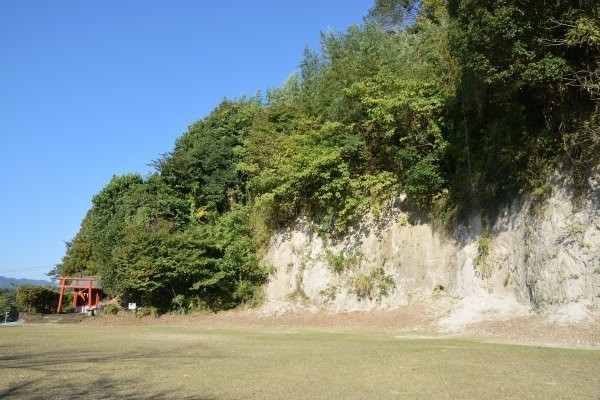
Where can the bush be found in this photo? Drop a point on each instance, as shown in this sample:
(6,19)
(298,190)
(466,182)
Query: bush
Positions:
(339,263)
(484,245)
(111,309)
(376,285)
(147,312)
(363,285)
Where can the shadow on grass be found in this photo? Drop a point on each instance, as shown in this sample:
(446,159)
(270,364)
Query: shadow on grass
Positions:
(39,361)
(83,381)
(102,387)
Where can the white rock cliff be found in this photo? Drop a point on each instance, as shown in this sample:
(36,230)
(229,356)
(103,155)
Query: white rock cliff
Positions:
(535,254)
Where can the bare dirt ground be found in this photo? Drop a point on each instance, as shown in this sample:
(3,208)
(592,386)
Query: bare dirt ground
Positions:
(574,327)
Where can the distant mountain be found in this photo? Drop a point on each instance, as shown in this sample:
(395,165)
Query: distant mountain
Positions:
(12,282)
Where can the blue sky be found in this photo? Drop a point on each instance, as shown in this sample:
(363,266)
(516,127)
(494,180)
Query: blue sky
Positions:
(90,89)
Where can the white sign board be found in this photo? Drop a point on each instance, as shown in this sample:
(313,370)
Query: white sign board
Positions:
(132,306)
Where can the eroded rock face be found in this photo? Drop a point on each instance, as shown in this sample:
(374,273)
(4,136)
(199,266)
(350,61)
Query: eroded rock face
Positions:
(535,253)
(553,248)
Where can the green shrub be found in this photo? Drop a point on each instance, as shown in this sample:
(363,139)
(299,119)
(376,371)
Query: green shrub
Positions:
(329,293)
(363,285)
(339,263)
(111,309)
(484,245)
(375,285)
(542,192)
(147,312)
(384,284)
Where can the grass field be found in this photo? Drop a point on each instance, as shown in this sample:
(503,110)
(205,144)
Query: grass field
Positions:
(200,362)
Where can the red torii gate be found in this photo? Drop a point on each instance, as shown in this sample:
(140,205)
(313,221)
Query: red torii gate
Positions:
(87,291)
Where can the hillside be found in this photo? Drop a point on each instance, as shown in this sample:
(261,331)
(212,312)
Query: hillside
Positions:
(8,283)
(440,147)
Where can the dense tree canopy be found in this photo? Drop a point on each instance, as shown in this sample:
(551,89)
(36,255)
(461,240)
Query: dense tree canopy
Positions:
(528,77)
(452,103)
(8,305)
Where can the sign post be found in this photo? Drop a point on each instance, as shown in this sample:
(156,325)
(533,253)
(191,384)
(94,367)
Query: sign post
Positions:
(132,306)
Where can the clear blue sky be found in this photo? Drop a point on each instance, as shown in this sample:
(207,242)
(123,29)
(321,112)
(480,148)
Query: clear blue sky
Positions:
(90,89)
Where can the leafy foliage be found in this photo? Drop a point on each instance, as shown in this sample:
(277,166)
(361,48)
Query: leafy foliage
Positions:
(36,299)
(79,257)
(202,165)
(8,303)
(111,309)
(463,101)
(150,244)
(521,104)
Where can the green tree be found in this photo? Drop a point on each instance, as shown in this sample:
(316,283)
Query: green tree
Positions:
(235,276)
(124,213)
(36,299)
(403,128)
(476,98)
(287,94)
(371,117)
(79,258)
(517,103)
(8,303)
(4,305)
(107,216)
(394,14)
(203,164)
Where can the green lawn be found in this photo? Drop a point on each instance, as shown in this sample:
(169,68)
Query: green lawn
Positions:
(200,362)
